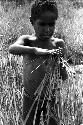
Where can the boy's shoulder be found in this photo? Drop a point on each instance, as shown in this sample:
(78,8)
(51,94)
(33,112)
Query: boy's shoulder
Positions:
(57,40)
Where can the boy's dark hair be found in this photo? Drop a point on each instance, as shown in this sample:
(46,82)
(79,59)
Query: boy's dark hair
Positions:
(40,6)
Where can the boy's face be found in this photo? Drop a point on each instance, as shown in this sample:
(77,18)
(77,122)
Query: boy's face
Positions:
(45,25)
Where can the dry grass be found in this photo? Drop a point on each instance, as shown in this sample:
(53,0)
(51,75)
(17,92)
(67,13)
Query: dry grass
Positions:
(70,94)
(15,22)
(11,91)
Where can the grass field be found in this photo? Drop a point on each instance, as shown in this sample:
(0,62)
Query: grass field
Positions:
(14,21)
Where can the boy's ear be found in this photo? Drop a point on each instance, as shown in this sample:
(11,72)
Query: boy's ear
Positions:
(31,20)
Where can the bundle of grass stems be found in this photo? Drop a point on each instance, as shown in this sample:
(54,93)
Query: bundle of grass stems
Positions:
(60,93)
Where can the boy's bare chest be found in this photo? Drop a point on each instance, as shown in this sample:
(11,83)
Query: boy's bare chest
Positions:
(43,45)
(34,64)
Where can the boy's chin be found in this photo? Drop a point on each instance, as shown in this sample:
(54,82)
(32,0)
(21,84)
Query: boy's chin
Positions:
(45,37)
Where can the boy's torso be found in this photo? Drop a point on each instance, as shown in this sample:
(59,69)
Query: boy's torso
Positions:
(33,75)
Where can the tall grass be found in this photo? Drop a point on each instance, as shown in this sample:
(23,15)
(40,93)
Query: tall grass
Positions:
(14,21)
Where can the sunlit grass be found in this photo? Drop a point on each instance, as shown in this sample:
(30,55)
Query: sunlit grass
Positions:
(11,91)
(15,22)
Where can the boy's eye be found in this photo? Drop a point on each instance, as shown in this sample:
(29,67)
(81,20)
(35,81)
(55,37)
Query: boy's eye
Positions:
(49,24)
(42,24)
(52,24)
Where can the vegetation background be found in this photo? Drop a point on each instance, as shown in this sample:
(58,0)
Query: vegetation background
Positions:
(14,21)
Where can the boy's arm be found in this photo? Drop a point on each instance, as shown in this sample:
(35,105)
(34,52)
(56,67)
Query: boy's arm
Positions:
(18,47)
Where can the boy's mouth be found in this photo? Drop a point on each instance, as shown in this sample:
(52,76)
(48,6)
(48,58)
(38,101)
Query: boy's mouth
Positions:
(45,37)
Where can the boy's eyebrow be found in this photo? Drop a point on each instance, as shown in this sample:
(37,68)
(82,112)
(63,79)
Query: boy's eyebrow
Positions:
(48,18)
(45,23)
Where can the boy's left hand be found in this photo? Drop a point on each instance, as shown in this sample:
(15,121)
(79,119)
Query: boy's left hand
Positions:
(58,51)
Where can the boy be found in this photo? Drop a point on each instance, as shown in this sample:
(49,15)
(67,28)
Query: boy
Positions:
(35,49)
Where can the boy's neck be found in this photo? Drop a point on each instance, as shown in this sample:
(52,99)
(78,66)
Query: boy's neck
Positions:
(43,42)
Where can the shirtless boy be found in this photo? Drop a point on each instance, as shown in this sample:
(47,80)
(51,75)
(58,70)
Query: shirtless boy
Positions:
(35,49)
